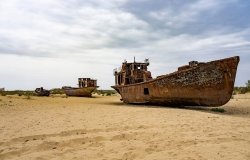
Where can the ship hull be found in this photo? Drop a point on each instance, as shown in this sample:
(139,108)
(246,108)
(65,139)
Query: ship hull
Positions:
(208,84)
(79,92)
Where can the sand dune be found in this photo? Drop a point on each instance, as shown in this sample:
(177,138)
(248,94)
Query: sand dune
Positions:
(105,128)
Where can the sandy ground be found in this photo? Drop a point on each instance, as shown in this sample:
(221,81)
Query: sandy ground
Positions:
(104,128)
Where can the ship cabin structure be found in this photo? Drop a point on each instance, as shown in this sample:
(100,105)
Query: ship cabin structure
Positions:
(131,73)
(87,82)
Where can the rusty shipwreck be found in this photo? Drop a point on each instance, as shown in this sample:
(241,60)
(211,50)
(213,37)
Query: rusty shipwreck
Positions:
(195,84)
(42,92)
(85,88)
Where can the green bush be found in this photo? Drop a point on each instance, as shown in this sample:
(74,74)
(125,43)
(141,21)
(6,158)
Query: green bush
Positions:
(248,85)
(240,90)
(243,90)
(57,91)
(105,92)
(17,92)
(64,96)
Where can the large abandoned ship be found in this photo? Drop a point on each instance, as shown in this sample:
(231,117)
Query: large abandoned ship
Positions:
(196,84)
(85,87)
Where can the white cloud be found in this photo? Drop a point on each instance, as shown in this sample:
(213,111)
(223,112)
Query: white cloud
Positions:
(189,13)
(90,38)
(39,34)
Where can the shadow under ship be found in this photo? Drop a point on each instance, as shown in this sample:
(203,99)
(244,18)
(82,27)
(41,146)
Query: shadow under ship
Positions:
(196,84)
(85,89)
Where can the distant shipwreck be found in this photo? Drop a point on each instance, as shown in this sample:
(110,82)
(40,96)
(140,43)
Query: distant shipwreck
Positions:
(42,92)
(196,84)
(85,87)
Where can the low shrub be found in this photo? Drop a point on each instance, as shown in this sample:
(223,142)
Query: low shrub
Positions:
(64,96)
(17,92)
(105,92)
(57,91)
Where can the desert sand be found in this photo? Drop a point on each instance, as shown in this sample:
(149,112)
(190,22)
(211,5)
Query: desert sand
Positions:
(104,128)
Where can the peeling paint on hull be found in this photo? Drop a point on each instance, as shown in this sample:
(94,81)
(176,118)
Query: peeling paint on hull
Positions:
(207,84)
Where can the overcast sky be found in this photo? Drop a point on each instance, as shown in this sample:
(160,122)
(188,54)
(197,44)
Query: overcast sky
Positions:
(51,43)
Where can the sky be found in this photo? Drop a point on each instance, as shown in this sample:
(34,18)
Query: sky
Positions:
(51,43)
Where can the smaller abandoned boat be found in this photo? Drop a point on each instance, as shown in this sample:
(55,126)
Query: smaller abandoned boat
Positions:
(85,87)
(196,84)
(42,92)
